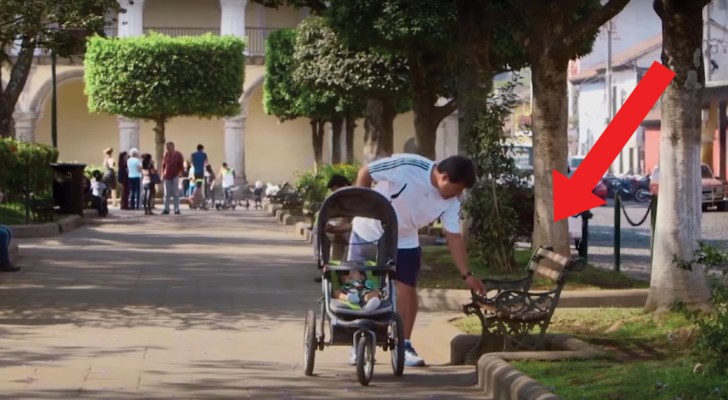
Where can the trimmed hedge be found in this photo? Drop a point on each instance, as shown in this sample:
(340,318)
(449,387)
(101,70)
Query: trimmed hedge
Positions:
(313,182)
(26,164)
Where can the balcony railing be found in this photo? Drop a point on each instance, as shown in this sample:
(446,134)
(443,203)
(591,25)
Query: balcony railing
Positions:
(255,43)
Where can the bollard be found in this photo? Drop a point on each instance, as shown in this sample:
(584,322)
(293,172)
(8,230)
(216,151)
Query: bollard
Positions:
(617,231)
(653,221)
(584,243)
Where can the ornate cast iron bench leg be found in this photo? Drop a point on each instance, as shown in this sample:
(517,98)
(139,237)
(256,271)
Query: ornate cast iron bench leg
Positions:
(472,356)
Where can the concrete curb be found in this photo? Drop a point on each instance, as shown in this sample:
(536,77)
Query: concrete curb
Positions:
(65,224)
(499,380)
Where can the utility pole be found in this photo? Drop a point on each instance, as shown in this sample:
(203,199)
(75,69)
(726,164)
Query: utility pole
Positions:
(608,79)
(708,47)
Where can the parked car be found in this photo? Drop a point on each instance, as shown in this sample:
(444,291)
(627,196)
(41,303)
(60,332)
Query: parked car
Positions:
(713,193)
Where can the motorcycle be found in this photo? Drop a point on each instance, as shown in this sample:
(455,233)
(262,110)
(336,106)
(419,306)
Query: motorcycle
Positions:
(635,188)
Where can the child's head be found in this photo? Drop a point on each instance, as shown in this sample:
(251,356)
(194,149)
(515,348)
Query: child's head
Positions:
(97,175)
(354,275)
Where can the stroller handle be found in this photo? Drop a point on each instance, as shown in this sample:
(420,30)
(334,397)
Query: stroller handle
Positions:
(349,266)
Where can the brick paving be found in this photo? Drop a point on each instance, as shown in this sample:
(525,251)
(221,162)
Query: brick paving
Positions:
(206,305)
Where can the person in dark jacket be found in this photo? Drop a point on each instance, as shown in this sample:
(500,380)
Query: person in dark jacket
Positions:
(124,179)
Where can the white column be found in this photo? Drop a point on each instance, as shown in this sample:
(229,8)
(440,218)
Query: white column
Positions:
(131,22)
(440,138)
(342,143)
(25,125)
(235,144)
(232,17)
(128,134)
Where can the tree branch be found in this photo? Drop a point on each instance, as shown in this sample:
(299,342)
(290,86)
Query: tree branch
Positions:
(21,70)
(446,109)
(583,26)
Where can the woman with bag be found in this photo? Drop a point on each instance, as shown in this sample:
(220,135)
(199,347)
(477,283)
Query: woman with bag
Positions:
(150,178)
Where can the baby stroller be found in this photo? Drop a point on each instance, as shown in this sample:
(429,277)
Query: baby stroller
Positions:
(366,329)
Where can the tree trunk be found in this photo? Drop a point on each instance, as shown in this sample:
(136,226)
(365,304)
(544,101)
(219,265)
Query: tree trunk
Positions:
(550,147)
(159,138)
(379,128)
(472,67)
(10,93)
(7,123)
(350,123)
(423,105)
(337,124)
(679,211)
(317,140)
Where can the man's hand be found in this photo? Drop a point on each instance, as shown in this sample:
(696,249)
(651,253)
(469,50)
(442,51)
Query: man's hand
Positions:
(475,284)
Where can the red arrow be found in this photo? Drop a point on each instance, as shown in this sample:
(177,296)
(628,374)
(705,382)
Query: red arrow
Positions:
(572,196)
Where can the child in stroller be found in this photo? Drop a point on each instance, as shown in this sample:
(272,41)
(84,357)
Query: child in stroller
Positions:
(357,289)
(359,298)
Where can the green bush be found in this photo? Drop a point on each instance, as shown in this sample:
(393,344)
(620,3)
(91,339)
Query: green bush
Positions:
(24,164)
(313,182)
(500,205)
(711,344)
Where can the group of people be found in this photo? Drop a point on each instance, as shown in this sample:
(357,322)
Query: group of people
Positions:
(421,191)
(138,176)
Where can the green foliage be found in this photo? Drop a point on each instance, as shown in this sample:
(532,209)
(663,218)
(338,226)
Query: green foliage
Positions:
(500,205)
(24,164)
(711,346)
(38,19)
(159,76)
(323,61)
(282,95)
(395,24)
(314,181)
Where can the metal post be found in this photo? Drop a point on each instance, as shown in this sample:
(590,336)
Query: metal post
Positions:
(54,102)
(26,191)
(584,243)
(617,231)
(653,221)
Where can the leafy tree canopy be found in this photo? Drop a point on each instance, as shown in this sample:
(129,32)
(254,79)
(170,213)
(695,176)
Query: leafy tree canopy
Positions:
(324,61)
(61,25)
(159,76)
(283,96)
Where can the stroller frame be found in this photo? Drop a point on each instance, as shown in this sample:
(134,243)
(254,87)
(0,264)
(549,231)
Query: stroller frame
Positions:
(365,331)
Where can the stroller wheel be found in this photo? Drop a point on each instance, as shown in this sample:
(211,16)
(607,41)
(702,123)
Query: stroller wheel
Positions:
(364,360)
(396,344)
(309,343)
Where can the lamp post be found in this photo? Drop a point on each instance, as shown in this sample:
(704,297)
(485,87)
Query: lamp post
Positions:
(54,102)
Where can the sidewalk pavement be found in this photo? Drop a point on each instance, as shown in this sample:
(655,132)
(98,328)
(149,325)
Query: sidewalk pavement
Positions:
(206,305)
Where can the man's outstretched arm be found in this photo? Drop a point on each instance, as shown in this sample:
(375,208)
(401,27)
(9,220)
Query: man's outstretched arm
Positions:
(459,253)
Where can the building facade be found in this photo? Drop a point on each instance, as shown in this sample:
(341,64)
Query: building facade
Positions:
(252,142)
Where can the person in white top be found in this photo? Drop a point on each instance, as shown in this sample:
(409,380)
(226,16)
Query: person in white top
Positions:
(421,191)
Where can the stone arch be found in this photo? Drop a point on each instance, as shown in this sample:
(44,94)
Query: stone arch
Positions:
(248,92)
(36,104)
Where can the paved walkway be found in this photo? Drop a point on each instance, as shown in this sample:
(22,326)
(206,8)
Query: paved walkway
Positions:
(206,305)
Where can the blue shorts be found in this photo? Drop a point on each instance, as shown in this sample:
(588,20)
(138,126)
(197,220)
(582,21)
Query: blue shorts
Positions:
(409,261)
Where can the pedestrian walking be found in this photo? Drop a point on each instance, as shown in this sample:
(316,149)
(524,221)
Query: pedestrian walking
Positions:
(172,167)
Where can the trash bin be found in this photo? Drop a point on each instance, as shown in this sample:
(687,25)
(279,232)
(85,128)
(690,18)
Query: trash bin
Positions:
(68,187)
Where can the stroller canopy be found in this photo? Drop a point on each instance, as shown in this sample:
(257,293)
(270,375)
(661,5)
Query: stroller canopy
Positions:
(362,202)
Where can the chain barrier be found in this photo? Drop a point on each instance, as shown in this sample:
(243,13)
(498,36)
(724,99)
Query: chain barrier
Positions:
(629,220)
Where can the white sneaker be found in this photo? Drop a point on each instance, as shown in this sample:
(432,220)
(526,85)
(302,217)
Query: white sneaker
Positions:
(411,358)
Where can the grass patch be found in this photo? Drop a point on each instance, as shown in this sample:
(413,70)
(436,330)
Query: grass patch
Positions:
(670,379)
(652,357)
(12,214)
(444,275)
